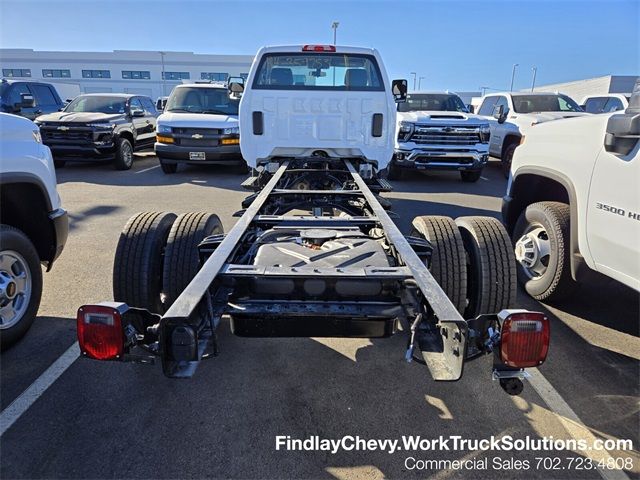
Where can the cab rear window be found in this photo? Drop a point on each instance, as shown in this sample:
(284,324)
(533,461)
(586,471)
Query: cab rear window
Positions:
(318,71)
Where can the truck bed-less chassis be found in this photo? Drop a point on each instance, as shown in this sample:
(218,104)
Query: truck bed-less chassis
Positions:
(315,253)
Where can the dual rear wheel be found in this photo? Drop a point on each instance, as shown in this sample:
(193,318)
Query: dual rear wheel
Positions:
(472,261)
(157,257)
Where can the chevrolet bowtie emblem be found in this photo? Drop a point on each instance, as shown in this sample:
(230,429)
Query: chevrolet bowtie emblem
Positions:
(197,136)
(63,128)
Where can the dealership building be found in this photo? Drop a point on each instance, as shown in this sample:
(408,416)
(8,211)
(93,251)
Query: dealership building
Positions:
(121,71)
(578,89)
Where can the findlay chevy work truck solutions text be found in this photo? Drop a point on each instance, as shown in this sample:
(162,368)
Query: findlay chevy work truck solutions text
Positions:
(314,252)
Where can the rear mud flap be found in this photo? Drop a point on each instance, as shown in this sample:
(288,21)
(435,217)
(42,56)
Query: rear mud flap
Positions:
(443,348)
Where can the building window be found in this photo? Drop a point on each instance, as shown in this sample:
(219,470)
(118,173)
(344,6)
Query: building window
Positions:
(96,74)
(176,75)
(220,77)
(56,73)
(16,72)
(136,75)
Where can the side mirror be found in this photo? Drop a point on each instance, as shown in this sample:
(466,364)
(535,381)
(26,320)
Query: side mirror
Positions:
(399,89)
(236,87)
(26,101)
(623,133)
(137,113)
(469,108)
(499,113)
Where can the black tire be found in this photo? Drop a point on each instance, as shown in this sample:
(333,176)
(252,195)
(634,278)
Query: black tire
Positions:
(491,265)
(554,218)
(59,163)
(470,175)
(124,154)
(181,259)
(138,262)
(13,240)
(168,168)
(394,172)
(507,159)
(448,260)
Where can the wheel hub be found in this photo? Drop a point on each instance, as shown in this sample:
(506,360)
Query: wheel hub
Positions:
(533,250)
(15,288)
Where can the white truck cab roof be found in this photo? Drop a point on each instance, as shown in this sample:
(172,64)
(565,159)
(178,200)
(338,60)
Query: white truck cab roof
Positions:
(303,100)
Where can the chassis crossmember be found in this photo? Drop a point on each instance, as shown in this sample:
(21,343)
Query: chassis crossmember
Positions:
(341,268)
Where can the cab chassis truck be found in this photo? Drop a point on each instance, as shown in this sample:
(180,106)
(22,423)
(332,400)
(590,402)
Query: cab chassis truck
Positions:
(315,254)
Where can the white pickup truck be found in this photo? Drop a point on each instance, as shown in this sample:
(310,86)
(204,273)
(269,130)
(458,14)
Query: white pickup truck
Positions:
(435,131)
(573,201)
(512,115)
(34,225)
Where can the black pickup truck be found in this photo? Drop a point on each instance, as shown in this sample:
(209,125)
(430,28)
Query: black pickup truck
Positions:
(28,99)
(100,127)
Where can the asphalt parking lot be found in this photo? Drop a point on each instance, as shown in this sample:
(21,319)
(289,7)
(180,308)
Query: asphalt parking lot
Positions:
(106,420)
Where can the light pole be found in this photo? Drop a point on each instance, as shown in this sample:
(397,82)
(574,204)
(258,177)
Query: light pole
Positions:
(484,90)
(420,82)
(513,75)
(335,25)
(164,80)
(533,82)
(414,79)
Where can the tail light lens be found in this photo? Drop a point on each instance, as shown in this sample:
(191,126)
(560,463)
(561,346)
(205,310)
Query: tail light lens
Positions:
(319,48)
(525,339)
(100,333)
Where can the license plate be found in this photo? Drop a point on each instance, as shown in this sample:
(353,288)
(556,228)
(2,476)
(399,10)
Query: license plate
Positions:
(196,156)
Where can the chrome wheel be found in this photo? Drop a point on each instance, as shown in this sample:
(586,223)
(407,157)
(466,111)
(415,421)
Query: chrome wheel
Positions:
(15,288)
(533,251)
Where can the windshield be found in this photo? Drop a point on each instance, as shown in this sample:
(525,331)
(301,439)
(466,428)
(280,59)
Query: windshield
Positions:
(202,100)
(97,104)
(544,103)
(318,71)
(440,102)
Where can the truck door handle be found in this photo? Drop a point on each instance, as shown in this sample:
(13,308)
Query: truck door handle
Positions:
(258,123)
(376,125)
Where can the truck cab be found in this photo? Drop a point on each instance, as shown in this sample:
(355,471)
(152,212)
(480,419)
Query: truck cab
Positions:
(512,115)
(573,204)
(318,100)
(28,99)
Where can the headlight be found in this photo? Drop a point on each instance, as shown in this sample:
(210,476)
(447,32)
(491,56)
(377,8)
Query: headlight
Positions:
(37,122)
(406,127)
(36,136)
(163,129)
(232,131)
(485,133)
(102,126)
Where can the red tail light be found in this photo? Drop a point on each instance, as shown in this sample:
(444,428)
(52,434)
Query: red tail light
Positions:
(319,48)
(525,339)
(100,333)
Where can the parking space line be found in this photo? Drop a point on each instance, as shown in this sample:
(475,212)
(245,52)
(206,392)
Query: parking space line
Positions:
(484,178)
(572,423)
(147,169)
(21,404)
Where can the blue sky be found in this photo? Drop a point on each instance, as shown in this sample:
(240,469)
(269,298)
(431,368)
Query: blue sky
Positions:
(457,45)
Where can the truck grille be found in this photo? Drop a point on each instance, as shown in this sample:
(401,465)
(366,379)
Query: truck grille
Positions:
(73,134)
(196,137)
(445,135)
(197,131)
